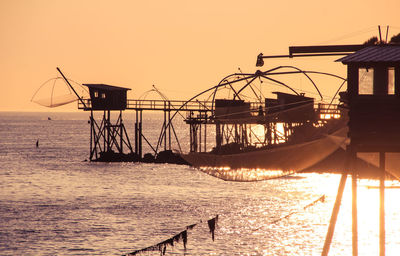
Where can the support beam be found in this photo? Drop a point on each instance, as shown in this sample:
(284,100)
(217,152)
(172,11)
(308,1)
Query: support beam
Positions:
(335,212)
(140,134)
(382,160)
(354,211)
(136,134)
(91,135)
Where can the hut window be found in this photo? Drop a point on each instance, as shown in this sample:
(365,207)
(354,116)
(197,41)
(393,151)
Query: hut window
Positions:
(103,95)
(391,81)
(96,94)
(366,81)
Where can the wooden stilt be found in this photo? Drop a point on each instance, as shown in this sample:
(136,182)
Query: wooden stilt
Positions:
(121,136)
(140,134)
(335,212)
(382,204)
(169,125)
(354,206)
(91,134)
(136,134)
(205,133)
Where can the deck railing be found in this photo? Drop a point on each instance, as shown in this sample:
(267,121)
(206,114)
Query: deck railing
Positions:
(322,109)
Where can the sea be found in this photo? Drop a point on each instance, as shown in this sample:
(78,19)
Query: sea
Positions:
(53,201)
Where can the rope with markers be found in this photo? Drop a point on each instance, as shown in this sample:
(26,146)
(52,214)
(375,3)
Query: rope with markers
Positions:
(181,236)
(212,223)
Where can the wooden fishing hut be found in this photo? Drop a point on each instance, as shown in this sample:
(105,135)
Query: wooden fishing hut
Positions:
(108,139)
(374,118)
(233,120)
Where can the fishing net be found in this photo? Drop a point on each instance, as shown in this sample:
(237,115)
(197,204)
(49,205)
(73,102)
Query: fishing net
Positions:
(268,163)
(56,92)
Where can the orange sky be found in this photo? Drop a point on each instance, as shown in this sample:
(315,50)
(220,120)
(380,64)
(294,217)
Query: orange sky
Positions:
(183,47)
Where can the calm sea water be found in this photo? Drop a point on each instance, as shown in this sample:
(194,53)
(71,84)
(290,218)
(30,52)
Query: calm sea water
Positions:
(53,202)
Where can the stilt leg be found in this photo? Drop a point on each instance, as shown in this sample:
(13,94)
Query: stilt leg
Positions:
(354,211)
(335,212)
(382,205)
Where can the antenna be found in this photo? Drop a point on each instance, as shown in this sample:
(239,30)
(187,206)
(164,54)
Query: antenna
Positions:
(380,35)
(387,33)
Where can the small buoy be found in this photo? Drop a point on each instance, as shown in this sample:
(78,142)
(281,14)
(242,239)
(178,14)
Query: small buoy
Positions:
(37,143)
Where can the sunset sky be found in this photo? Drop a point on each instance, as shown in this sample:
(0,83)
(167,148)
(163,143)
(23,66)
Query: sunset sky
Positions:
(183,47)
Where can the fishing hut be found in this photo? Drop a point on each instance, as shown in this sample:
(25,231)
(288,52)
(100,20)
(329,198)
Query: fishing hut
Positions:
(108,139)
(234,119)
(242,125)
(374,119)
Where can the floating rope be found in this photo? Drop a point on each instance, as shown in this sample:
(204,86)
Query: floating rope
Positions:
(181,236)
(320,199)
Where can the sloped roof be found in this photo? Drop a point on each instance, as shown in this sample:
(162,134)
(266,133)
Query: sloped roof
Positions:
(106,87)
(388,54)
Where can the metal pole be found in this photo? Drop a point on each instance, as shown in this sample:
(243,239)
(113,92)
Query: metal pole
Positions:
(382,205)
(335,212)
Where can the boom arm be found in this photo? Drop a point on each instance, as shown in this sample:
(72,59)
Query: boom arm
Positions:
(66,80)
(312,51)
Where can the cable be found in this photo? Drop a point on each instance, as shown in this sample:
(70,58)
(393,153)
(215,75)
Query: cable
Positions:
(350,35)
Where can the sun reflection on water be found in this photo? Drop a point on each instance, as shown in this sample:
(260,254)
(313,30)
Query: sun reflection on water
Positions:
(304,231)
(368,218)
(244,174)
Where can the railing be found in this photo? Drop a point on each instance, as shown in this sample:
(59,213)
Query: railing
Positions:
(87,104)
(201,106)
(323,110)
(328,111)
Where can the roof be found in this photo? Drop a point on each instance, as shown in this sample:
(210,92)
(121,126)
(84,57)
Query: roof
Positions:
(388,54)
(290,95)
(106,87)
